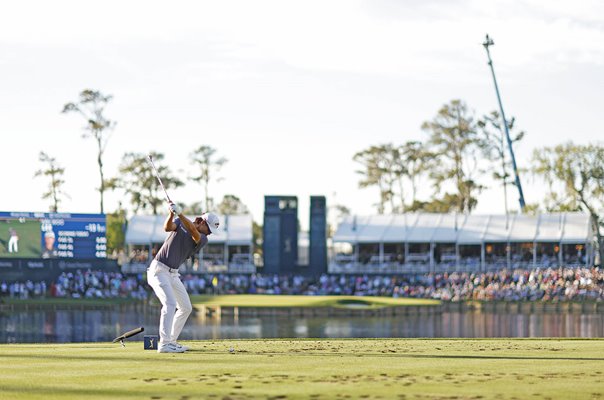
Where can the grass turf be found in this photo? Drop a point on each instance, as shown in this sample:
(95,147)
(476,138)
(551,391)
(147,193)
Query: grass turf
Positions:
(242,300)
(69,302)
(30,238)
(315,369)
(257,300)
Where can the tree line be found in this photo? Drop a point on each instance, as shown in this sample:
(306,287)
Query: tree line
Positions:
(450,160)
(135,176)
(461,155)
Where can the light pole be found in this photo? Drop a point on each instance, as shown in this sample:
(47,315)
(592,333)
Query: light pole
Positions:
(489,42)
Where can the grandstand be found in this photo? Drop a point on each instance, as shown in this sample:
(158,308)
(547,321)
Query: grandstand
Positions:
(426,242)
(229,250)
(414,243)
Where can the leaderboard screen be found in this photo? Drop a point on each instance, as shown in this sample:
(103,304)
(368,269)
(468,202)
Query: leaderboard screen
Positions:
(52,235)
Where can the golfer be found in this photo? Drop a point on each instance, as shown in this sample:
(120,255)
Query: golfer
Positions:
(13,242)
(185,239)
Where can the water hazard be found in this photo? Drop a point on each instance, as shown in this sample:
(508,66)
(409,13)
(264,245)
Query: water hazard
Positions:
(63,326)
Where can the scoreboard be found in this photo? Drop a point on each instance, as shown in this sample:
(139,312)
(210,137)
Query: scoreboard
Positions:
(53,235)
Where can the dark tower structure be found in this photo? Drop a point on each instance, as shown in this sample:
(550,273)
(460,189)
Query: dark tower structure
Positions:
(318,235)
(280,233)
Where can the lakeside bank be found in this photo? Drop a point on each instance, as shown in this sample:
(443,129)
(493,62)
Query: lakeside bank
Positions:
(309,306)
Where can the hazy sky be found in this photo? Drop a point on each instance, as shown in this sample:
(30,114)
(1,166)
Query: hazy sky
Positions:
(288,91)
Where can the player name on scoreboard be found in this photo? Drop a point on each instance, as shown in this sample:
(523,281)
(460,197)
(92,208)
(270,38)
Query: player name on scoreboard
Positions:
(87,241)
(62,235)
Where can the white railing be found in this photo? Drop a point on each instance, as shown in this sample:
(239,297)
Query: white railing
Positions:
(134,268)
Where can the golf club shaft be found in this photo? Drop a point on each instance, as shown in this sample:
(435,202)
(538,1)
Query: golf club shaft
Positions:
(158,178)
(128,334)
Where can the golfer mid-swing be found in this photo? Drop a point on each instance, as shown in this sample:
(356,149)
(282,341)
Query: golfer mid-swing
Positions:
(185,239)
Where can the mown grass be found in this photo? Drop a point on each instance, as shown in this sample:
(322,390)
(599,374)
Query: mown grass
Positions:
(256,300)
(239,300)
(67,302)
(313,369)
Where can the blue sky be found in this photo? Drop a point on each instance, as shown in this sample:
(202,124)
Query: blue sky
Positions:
(288,91)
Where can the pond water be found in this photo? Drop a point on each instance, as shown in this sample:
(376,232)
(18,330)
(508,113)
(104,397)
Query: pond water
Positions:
(62,326)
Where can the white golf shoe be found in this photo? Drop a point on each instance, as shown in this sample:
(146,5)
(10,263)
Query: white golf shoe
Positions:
(180,346)
(170,348)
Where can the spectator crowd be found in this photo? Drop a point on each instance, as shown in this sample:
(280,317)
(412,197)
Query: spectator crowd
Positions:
(80,284)
(551,284)
(560,284)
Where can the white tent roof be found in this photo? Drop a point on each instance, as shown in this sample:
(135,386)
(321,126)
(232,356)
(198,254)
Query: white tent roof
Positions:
(498,229)
(523,228)
(374,229)
(448,228)
(347,229)
(473,229)
(464,229)
(237,229)
(145,229)
(576,228)
(550,227)
(399,228)
(142,229)
(424,228)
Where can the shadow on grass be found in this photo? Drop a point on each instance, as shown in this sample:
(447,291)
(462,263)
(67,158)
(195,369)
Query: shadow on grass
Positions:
(395,355)
(418,356)
(180,358)
(183,357)
(81,393)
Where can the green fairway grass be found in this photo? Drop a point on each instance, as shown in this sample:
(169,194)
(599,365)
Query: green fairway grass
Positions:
(313,369)
(30,238)
(241,300)
(66,302)
(256,300)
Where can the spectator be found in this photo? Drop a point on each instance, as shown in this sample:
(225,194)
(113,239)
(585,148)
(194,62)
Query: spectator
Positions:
(551,284)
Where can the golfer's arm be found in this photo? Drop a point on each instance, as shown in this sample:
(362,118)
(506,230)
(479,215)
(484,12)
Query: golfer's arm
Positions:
(169,225)
(186,222)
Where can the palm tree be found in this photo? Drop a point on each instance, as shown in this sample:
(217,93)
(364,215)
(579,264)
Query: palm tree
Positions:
(91,106)
(207,163)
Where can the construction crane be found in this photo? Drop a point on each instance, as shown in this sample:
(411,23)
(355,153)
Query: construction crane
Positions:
(489,42)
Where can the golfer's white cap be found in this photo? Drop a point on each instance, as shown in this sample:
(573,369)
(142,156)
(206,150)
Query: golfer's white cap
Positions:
(212,220)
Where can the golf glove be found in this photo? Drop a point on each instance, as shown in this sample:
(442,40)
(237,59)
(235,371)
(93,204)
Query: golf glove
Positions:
(175,209)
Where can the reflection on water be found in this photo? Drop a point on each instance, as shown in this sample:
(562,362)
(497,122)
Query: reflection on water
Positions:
(60,326)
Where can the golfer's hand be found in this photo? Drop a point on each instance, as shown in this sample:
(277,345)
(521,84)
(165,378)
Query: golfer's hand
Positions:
(175,209)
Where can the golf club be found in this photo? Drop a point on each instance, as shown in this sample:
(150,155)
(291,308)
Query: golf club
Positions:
(150,158)
(127,335)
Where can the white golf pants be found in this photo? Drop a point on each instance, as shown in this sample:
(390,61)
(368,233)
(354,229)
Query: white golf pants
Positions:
(176,305)
(13,244)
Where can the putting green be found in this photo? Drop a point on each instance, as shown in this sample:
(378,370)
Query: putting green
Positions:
(241,300)
(257,300)
(315,369)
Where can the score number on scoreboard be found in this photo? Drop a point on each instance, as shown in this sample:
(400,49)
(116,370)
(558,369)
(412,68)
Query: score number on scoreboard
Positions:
(54,235)
(77,237)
